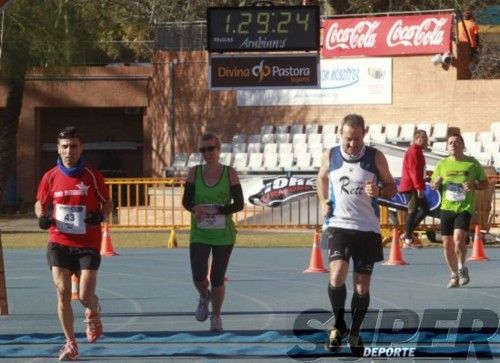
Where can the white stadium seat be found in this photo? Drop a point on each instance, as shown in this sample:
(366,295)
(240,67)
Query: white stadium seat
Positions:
(392,132)
(283,138)
(254,147)
(239,139)
(194,159)
(299,138)
(285,148)
(266,138)
(297,129)
(282,129)
(240,161)
(314,139)
(255,161)
(311,129)
(300,148)
(407,132)
(266,129)
(270,161)
(285,160)
(239,148)
(329,129)
(439,131)
(254,138)
(225,158)
(270,148)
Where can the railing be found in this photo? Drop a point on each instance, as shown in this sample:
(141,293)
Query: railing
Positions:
(157,203)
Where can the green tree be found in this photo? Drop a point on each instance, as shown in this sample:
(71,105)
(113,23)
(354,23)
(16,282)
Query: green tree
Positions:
(37,33)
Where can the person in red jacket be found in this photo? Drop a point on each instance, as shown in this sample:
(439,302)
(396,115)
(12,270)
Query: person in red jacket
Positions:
(413,185)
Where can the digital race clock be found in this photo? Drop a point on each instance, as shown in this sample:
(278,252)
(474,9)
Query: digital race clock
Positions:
(265,28)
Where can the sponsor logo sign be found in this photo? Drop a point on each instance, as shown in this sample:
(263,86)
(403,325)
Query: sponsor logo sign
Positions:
(265,71)
(387,36)
(283,189)
(343,82)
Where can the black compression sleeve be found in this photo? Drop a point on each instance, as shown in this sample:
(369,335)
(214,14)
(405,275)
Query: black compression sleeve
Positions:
(187,198)
(237,205)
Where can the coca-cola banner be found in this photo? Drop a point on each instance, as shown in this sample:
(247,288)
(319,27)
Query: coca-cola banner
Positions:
(387,36)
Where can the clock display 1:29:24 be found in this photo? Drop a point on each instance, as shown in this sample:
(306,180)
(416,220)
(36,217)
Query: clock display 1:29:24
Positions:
(267,22)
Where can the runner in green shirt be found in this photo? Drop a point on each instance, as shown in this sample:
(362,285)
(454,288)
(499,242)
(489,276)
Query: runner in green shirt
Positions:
(212,194)
(457,176)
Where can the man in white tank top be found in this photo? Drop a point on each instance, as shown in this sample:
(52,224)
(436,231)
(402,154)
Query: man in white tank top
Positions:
(351,178)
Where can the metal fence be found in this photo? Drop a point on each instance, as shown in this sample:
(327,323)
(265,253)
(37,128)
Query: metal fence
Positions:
(157,203)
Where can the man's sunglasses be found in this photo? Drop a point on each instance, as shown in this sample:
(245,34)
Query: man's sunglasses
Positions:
(207,148)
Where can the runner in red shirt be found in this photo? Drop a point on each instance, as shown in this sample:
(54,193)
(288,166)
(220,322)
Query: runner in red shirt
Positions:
(72,201)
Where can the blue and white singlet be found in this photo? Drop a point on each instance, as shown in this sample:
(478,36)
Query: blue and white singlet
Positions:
(352,208)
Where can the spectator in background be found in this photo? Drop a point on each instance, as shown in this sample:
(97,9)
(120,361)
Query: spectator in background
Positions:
(468,30)
(468,41)
(413,186)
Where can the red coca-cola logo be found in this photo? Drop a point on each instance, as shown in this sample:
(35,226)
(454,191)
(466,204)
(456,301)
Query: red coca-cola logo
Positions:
(361,35)
(429,32)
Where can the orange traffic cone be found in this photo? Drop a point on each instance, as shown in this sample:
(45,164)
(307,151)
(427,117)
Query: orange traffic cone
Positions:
(75,287)
(478,253)
(210,269)
(106,245)
(395,257)
(316,261)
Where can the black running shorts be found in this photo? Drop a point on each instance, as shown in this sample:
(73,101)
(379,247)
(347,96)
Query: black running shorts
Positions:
(451,221)
(74,259)
(365,248)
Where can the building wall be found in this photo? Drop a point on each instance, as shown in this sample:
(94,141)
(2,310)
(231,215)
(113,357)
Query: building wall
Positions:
(422,92)
(90,88)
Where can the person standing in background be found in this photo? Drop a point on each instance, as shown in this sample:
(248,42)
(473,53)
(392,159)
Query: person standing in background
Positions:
(412,184)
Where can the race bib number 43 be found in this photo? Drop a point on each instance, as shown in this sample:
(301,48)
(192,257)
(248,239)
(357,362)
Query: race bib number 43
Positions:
(70,218)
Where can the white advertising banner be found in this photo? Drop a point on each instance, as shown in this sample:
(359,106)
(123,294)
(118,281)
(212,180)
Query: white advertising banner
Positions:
(346,81)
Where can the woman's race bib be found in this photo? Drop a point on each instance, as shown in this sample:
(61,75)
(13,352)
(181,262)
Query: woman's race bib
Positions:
(212,221)
(455,192)
(70,218)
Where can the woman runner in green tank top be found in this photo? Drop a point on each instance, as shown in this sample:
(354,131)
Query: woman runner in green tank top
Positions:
(212,194)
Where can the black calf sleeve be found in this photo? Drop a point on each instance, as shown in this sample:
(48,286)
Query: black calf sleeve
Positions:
(337,297)
(359,307)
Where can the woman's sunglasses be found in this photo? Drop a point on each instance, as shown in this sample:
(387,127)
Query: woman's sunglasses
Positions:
(207,148)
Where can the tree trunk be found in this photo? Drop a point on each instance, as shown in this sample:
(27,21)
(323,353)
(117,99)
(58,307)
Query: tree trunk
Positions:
(8,131)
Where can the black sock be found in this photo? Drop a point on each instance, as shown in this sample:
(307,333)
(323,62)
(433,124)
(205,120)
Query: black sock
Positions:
(359,307)
(337,297)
